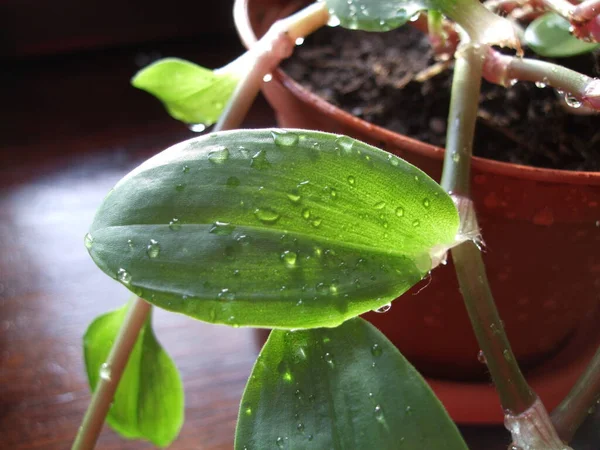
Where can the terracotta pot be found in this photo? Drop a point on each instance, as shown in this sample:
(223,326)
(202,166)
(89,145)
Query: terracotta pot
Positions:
(542,257)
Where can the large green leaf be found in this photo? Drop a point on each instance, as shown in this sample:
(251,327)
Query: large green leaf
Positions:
(482,25)
(149,401)
(549,36)
(189,92)
(345,388)
(284,229)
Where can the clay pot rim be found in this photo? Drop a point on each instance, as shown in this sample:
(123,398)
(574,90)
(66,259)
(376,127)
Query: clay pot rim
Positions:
(479,164)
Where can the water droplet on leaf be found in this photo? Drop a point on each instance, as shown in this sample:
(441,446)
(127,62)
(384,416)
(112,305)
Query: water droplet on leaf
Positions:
(222,228)
(267,215)
(376,350)
(153,249)
(219,155)
(259,160)
(268,77)
(384,308)
(572,101)
(196,127)
(88,240)
(123,276)
(284,138)
(105,372)
(481,357)
(289,258)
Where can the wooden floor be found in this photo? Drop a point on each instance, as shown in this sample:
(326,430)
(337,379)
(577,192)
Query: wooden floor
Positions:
(71,127)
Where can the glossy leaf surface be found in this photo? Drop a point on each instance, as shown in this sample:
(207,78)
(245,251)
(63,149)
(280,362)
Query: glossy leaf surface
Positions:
(288,229)
(149,401)
(482,25)
(549,36)
(344,388)
(190,93)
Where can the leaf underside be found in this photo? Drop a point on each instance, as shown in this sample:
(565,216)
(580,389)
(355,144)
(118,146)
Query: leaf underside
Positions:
(345,388)
(149,402)
(549,36)
(282,229)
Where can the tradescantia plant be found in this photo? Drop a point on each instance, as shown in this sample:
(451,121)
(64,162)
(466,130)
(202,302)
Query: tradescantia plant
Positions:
(303,231)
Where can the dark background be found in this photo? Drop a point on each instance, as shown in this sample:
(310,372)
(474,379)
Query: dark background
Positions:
(71,126)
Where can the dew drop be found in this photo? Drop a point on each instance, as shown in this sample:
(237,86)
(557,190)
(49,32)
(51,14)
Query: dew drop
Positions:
(248,411)
(268,77)
(185,169)
(298,394)
(379,205)
(306,213)
(88,240)
(400,211)
(105,372)
(540,84)
(416,223)
(219,155)
(345,143)
(196,127)
(511,82)
(334,20)
(456,157)
(514,447)
(259,161)
(279,441)
(328,357)
(300,427)
(378,413)
(124,276)
(130,244)
(174,224)
(316,222)
(222,228)
(351,180)
(376,350)
(153,249)
(226,294)
(481,357)
(507,355)
(284,138)
(426,203)
(384,308)
(289,258)
(294,197)
(299,41)
(333,193)
(267,215)
(572,101)
(287,376)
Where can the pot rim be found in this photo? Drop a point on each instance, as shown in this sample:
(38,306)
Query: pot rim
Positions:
(479,164)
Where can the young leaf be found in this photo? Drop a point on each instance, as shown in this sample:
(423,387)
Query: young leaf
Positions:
(190,93)
(483,26)
(345,388)
(283,229)
(549,36)
(149,401)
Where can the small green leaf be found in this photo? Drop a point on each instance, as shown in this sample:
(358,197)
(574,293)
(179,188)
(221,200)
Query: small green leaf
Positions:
(273,228)
(149,401)
(549,36)
(345,388)
(190,93)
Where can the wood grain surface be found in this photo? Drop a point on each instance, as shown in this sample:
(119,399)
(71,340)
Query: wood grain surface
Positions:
(72,127)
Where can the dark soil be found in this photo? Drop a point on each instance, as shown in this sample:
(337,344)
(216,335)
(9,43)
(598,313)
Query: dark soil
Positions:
(371,75)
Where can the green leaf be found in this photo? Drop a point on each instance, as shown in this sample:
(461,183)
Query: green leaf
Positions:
(482,25)
(549,36)
(190,93)
(283,229)
(345,388)
(149,401)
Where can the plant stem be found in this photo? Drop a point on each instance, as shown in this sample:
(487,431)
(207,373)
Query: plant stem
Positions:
(502,69)
(265,55)
(515,394)
(570,414)
(105,389)
(561,7)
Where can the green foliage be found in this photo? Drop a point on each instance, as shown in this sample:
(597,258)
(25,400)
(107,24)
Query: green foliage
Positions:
(190,93)
(283,229)
(549,36)
(343,388)
(482,25)
(149,401)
